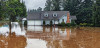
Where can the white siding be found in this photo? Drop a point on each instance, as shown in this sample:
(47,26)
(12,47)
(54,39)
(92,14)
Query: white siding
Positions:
(56,21)
(64,17)
(47,22)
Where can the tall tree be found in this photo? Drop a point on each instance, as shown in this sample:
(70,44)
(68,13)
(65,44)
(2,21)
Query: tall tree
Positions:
(16,9)
(0,10)
(53,5)
(56,5)
(39,9)
(85,12)
(81,8)
(48,5)
(96,13)
(71,5)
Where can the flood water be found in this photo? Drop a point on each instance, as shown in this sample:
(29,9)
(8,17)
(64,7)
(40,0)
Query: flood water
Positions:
(50,37)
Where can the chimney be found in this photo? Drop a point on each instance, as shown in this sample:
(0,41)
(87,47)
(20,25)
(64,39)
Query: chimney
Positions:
(68,17)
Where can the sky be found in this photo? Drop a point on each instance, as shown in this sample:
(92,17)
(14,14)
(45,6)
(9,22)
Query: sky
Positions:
(34,4)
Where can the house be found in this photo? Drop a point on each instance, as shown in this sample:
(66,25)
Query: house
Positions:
(37,18)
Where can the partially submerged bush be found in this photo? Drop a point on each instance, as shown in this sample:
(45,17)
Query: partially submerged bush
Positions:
(73,23)
(59,24)
(43,22)
(86,24)
(68,24)
(50,23)
(25,23)
(63,24)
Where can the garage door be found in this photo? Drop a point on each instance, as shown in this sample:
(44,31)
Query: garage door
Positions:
(38,22)
(34,22)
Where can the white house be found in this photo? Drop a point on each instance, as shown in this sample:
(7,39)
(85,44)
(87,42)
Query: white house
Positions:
(37,18)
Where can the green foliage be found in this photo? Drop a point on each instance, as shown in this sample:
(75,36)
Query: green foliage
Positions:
(25,23)
(0,10)
(52,5)
(68,24)
(96,13)
(59,24)
(56,5)
(85,24)
(82,9)
(43,22)
(48,5)
(50,23)
(73,23)
(12,9)
(39,9)
(63,24)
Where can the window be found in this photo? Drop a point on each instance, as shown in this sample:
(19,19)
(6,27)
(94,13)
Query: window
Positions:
(46,15)
(55,15)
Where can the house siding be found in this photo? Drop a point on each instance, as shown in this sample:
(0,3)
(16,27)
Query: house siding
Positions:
(65,19)
(47,22)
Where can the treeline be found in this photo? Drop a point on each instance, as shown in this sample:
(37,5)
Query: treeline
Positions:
(87,11)
(36,10)
(12,10)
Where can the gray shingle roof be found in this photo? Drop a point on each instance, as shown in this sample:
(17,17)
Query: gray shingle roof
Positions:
(73,17)
(34,16)
(50,14)
(40,15)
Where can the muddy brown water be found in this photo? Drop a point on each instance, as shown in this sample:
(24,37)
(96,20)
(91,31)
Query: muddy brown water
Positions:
(53,37)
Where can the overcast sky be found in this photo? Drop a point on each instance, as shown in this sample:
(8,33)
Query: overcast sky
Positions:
(34,4)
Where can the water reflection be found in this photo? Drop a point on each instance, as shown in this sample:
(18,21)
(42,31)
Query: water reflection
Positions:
(15,27)
(12,41)
(51,37)
(48,33)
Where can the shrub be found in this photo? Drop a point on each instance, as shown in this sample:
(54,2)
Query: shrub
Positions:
(59,24)
(68,24)
(43,22)
(83,24)
(73,23)
(25,23)
(50,23)
(63,24)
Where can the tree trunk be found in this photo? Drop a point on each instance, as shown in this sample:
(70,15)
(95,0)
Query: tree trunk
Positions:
(9,27)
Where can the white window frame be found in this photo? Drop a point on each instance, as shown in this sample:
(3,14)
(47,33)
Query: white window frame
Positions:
(46,14)
(55,15)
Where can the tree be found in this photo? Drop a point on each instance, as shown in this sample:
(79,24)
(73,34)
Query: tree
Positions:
(56,4)
(3,9)
(96,13)
(0,10)
(53,5)
(85,13)
(39,9)
(71,5)
(16,9)
(48,5)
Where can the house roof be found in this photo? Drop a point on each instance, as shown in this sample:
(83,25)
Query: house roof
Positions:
(34,15)
(50,14)
(40,15)
(73,17)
